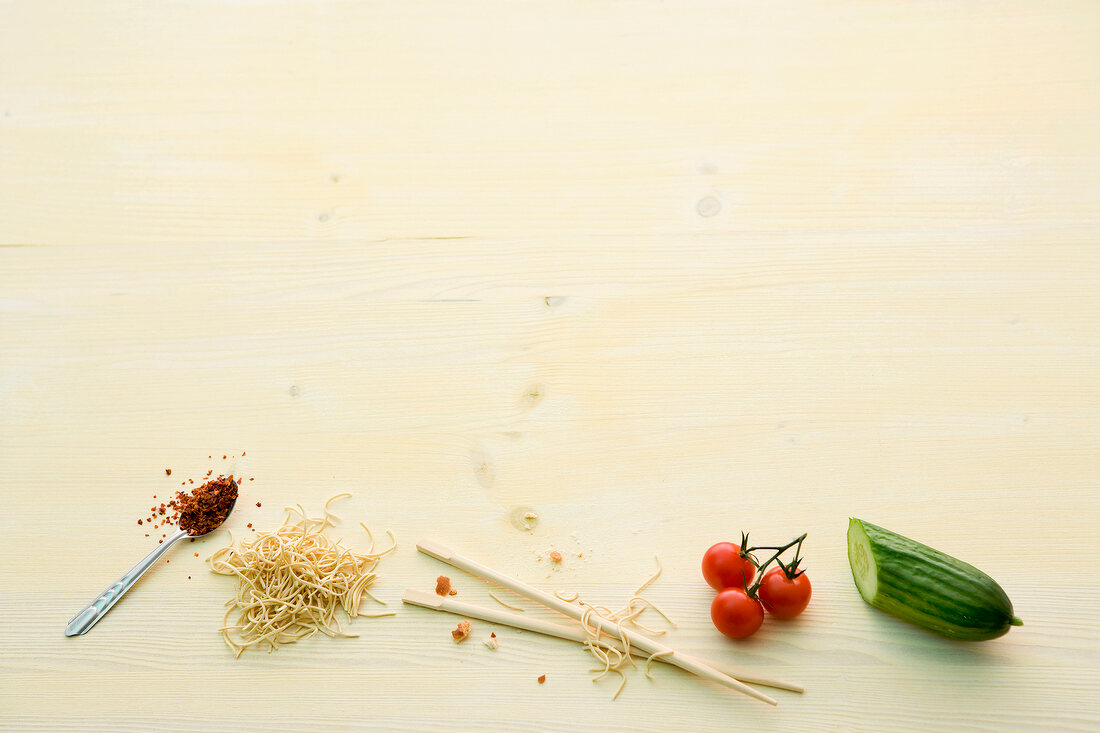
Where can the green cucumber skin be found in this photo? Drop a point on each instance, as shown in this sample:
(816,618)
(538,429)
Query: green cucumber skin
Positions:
(931,589)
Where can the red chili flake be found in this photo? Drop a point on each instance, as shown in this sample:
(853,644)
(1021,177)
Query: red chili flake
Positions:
(257,503)
(160,541)
(167,472)
(192,481)
(223,458)
(167,561)
(183,483)
(196,554)
(139,521)
(249,525)
(242,453)
(251,479)
(146,535)
(542,679)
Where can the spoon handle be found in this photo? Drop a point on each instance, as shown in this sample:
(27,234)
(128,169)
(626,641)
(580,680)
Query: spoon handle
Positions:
(97,609)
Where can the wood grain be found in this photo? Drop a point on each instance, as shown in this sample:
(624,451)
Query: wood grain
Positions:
(659,271)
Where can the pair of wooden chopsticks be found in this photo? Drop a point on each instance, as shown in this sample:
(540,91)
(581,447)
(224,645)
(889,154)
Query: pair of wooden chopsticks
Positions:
(725,676)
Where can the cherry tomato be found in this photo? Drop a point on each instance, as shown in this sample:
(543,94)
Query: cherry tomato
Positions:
(725,567)
(735,614)
(782,596)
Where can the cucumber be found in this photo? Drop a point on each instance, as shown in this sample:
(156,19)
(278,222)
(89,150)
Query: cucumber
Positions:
(926,587)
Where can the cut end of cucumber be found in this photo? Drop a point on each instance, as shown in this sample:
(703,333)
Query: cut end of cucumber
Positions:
(860,557)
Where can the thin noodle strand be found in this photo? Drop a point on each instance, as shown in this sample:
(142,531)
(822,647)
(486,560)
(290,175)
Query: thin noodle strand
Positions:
(506,605)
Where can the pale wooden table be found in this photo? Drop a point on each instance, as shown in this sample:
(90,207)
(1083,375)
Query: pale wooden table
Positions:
(662,271)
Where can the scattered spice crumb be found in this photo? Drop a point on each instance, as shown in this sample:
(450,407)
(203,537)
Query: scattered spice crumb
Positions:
(443,586)
(453,592)
(542,679)
(189,577)
(167,472)
(461,631)
(492,642)
(555,556)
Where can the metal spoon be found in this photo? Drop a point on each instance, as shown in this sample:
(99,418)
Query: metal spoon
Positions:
(97,609)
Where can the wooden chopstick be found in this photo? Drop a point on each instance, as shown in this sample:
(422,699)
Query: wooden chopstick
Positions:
(445,554)
(425,599)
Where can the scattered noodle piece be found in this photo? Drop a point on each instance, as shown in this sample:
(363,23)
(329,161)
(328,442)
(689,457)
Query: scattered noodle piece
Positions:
(506,605)
(655,655)
(610,647)
(443,586)
(292,582)
(461,631)
(652,578)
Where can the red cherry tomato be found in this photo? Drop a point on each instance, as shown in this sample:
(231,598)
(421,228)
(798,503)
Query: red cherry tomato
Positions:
(735,614)
(782,596)
(725,567)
